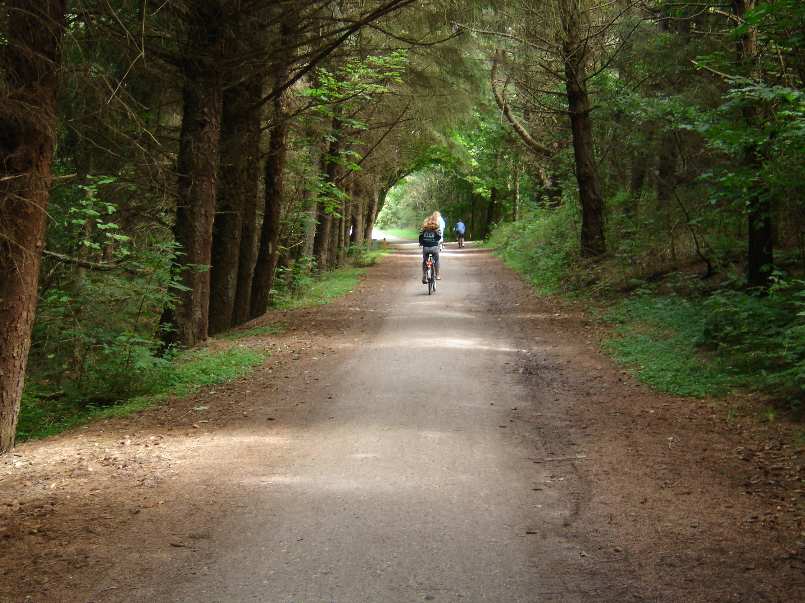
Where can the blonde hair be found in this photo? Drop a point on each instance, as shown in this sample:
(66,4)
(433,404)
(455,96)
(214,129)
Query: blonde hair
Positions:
(430,224)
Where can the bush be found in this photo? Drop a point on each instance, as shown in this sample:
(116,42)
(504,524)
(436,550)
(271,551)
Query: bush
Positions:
(44,413)
(124,367)
(96,336)
(708,345)
(539,248)
(364,256)
(761,336)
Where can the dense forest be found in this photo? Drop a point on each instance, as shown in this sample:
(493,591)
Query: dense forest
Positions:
(170,168)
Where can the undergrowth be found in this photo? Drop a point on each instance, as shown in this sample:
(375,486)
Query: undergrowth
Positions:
(299,286)
(679,335)
(539,248)
(656,338)
(319,289)
(44,414)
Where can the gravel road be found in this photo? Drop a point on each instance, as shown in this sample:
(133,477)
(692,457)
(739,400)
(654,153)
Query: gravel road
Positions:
(410,477)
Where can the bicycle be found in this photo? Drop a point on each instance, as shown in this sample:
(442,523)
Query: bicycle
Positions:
(460,240)
(430,274)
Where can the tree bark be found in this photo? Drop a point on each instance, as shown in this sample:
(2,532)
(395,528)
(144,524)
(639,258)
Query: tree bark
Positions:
(336,238)
(268,254)
(198,169)
(248,246)
(491,211)
(666,184)
(371,212)
(310,224)
(575,58)
(760,229)
(358,214)
(237,202)
(329,168)
(31,60)
(516,192)
(637,179)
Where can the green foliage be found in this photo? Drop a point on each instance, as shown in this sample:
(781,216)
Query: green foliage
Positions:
(656,337)
(701,344)
(775,137)
(45,413)
(407,204)
(538,247)
(762,337)
(97,330)
(364,256)
(473,169)
(359,80)
(317,290)
(708,345)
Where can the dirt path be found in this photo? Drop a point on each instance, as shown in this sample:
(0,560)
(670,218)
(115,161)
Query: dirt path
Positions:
(470,446)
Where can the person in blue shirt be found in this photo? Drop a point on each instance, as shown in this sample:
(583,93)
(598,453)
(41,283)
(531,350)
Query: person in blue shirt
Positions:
(460,229)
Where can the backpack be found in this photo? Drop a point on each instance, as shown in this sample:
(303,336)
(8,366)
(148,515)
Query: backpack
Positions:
(430,238)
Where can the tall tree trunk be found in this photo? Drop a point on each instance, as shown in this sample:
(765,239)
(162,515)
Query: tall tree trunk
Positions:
(491,210)
(198,169)
(310,224)
(473,218)
(274,195)
(516,193)
(31,59)
(237,197)
(637,179)
(248,245)
(329,168)
(346,222)
(760,230)
(358,214)
(358,226)
(336,239)
(308,197)
(321,242)
(575,51)
(372,210)
(666,183)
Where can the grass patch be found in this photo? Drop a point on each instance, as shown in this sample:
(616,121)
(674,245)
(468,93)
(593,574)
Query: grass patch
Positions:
(369,257)
(411,234)
(320,289)
(235,335)
(42,416)
(657,339)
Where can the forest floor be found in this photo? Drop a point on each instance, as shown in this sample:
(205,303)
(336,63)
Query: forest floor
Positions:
(471,446)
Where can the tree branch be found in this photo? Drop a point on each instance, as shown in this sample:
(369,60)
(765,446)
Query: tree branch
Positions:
(526,137)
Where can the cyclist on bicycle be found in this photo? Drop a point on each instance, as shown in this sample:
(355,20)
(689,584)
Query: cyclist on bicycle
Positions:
(429,238)
(460,229)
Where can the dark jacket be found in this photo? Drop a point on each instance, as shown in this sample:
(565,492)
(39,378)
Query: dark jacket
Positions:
(429,238)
